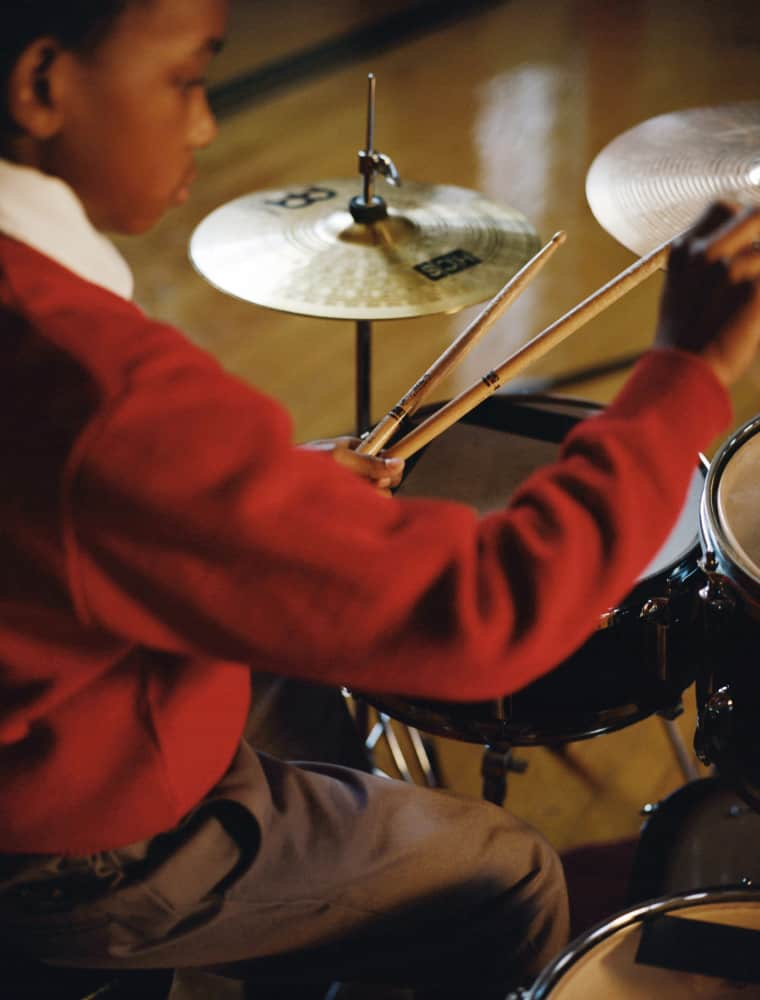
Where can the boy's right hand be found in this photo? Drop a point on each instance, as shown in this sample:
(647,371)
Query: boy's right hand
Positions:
(711,301)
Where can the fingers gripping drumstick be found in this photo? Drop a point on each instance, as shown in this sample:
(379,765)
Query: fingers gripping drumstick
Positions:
(408,403)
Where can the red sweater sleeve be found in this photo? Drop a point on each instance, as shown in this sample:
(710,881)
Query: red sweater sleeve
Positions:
(194,525)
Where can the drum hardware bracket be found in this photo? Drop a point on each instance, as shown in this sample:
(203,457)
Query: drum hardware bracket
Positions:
(497,762)
(716,595)
(611,618)
(715,724)
(656,611)
(368,207)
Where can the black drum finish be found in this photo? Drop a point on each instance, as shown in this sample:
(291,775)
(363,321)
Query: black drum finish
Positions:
(728,697)
(701,836)
(638,662)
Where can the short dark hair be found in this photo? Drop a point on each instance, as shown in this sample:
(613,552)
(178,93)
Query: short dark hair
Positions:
(77,24)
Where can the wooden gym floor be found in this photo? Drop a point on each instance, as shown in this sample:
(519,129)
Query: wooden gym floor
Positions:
(512,99)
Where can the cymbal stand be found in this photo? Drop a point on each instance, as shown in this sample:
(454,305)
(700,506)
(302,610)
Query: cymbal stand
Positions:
(363,375)
(367,209)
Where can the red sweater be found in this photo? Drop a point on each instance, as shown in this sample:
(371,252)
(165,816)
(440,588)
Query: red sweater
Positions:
(159,534)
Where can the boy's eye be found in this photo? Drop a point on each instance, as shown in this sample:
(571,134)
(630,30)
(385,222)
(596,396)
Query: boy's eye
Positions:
(192,83)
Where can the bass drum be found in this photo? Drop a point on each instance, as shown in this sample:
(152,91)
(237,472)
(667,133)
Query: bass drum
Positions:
(698,945)
(728,677)
(640,658)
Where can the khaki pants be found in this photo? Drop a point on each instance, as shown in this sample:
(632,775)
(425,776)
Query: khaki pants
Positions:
(292,873)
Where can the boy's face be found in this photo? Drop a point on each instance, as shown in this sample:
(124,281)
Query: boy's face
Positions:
(134,111)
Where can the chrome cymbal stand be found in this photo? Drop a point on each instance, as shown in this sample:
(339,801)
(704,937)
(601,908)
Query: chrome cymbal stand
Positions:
(366,209)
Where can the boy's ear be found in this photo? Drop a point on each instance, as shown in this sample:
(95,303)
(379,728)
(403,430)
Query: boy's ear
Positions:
(34,89)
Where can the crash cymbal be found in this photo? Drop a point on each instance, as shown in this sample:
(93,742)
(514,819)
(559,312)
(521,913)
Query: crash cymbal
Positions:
(299,250)
(651,182)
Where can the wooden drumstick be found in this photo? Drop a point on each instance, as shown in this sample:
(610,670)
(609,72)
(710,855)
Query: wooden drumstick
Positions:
(543,342)
(385,428)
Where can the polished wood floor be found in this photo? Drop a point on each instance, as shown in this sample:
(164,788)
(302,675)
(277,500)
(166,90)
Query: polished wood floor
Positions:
(514,101)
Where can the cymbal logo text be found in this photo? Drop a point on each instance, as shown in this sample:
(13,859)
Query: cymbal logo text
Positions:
(302,199)
(447,264)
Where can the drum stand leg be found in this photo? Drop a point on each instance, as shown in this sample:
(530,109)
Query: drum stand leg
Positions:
(686,760)
(497,761)
(383,728)
(423,754)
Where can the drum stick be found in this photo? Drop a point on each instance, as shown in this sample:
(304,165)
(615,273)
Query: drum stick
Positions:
(408,403)
(543,342)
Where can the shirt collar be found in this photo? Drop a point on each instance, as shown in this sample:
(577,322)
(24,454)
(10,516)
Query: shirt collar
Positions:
(45,213)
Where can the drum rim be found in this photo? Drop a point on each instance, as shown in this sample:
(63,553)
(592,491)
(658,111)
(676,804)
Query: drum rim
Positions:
(584,943)
(716,545)
(417,713)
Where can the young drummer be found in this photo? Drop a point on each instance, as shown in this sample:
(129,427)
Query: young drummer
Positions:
(162,536)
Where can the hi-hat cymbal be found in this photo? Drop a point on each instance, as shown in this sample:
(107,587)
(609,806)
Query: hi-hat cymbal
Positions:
(299,250)
(651,182)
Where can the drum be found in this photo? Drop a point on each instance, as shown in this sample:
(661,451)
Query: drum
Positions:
(701,836)
(638,661)
(702,944)
(728,675)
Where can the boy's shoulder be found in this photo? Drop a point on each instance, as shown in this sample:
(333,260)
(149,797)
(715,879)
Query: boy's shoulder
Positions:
(97,326)
(75,329)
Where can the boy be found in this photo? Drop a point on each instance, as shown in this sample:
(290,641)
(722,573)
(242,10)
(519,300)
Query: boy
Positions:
(161,536)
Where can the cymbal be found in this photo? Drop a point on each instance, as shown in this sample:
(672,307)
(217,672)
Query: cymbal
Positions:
(299,250)
(651,182)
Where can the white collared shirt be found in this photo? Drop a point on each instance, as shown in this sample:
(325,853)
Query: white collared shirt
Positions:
(45,213)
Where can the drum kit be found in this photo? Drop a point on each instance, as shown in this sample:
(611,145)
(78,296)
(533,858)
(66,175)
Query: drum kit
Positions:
(336,249)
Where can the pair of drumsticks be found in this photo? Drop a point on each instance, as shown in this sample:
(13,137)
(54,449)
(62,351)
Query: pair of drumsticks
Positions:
(552,335)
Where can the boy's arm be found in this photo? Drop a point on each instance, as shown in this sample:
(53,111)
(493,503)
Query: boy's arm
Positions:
(197,526)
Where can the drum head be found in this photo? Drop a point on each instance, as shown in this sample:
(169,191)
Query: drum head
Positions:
(738,503)
(608,963)
(684,536)
(483,466)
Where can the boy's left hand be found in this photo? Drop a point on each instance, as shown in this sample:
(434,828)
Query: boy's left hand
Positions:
(384,473)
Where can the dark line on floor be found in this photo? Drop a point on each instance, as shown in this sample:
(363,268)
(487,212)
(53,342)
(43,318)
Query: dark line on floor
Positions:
(565,380)
(353,46)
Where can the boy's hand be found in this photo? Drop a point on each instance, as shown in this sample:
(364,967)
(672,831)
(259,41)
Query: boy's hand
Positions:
(384,473)
(711,301)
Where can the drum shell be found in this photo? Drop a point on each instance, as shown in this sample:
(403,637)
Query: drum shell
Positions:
(728,668)
(638,661)
(701,836)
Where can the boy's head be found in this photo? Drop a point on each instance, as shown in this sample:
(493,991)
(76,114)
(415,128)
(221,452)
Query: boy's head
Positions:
(109,95)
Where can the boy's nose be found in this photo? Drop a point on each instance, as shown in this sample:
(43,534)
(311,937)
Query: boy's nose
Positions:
(203,128)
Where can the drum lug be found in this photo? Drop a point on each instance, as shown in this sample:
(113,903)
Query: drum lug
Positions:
(717,595)
(656,611)
(610,618)
(716,724)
